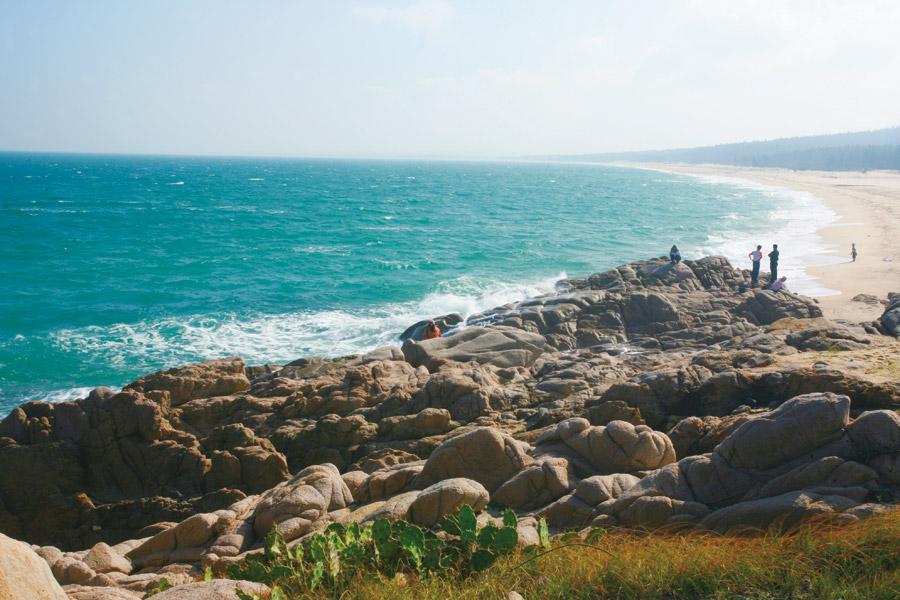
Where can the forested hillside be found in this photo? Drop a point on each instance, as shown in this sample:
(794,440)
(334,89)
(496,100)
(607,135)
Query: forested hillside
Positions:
(879,149)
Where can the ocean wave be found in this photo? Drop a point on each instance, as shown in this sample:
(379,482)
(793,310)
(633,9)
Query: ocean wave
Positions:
(281,338)
(60,395)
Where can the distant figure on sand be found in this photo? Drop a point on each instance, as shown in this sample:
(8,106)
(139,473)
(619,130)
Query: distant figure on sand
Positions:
(773,263)
(779,285)
(674,255)
(755,256)
(853,252)
(431,331)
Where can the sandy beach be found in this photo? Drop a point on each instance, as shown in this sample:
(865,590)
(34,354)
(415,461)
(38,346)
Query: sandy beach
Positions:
(868,209)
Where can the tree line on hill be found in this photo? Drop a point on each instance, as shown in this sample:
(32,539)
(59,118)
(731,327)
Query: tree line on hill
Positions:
(878,149)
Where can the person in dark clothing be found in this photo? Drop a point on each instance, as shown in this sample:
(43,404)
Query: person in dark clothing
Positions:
(674,255)
(756,257)
(773,263)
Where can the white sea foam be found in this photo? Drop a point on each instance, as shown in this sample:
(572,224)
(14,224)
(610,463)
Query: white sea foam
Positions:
(285,337)
(60,395)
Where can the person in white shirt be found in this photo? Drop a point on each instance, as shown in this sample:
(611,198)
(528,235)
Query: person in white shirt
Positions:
(779,285)
(755,256)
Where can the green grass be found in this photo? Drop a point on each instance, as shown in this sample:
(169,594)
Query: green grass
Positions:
(817,561)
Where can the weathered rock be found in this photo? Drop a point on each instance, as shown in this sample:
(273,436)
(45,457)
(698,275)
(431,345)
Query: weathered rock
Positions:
(24,574)
(484,455)
(103,559)
(538,484)
(185,542)
(216,589)
(205,380)
(657,511)
(569,512)
(618,447)
(794,428)
(446,498)
(832,472)
(84,592)
(693,435)
(389,481)
(784,511)
(499,346)
(890,319)
(69,569)
(830,336)
(601,488)
(295,506)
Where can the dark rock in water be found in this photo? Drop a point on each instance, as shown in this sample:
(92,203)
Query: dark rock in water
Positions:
(446,323)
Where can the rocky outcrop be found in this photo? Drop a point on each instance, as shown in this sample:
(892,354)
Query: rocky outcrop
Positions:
(571,406)
(805,457)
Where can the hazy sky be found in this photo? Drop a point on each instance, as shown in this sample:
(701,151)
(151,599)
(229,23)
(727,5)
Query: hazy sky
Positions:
(440,78)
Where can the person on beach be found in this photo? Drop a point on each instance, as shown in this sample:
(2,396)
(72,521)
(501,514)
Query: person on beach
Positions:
(674,255)
(779,285)
(755,256)
(431,331)
(853,252)
(773,263)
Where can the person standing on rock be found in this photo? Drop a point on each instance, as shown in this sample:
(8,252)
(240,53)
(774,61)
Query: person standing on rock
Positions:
(431,331)
(674,255)
(773,263)
(755,256)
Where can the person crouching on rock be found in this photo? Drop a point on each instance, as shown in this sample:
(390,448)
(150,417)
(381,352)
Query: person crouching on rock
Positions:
(431,331)
(674,255)
(779,286)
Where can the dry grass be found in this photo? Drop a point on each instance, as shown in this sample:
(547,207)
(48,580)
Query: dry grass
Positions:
(816,561)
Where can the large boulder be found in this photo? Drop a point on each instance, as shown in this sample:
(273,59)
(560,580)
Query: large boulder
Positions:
(485,455)
(295,506)
(185,542)
(446,498)
(24,574)
(537,485)
(618,447)
(791,430)
(499,346)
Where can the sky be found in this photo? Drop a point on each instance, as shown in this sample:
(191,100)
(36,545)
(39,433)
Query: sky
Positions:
(440,78)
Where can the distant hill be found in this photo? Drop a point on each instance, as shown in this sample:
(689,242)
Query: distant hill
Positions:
(878,149)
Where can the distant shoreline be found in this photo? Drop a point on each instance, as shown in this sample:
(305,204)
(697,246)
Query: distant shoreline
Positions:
(868,209)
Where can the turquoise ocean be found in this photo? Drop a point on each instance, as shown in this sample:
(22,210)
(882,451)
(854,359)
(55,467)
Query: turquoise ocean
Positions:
(116,266)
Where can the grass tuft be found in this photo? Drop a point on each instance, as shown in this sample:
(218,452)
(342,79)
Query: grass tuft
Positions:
(818,561)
